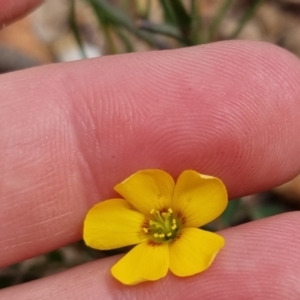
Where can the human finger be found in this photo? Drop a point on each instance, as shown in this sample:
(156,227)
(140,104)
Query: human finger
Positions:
(70,132)
(259,261)
(10,10)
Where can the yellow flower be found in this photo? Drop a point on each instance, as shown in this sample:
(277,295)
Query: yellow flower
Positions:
(163,219)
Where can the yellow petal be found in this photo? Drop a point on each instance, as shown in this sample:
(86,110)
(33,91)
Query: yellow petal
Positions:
(147,190)
(194,251)
(199,198)
(145,262)
(113,224)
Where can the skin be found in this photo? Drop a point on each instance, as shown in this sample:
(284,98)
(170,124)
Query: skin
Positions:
(70,132)
(12,10)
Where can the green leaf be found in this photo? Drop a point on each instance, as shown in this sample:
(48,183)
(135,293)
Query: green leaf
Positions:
(183,20)
(181,15)
(164,29)
(115,17)
(265,210)
(169,15)
(230,212)
(75,29)
(196,34)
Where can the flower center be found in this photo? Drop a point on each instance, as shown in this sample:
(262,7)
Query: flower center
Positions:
(163,226)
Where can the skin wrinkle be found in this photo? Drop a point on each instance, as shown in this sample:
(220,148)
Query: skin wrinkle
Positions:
(39,225)
(119,115)
(43,185)
(83,117)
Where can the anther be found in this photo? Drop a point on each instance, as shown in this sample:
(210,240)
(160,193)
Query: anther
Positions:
(163,225)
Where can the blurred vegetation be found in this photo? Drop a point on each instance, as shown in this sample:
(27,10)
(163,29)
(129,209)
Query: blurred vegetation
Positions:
(181,24)
(168,25)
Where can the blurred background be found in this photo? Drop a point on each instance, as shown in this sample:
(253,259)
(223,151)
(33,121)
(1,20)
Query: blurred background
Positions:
(66,30)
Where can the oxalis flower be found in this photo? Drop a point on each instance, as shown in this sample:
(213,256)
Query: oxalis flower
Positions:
(163,219)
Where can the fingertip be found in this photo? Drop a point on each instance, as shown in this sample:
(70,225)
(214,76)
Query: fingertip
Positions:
(11,10)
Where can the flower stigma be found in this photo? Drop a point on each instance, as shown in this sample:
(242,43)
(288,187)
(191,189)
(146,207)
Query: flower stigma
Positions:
(163,226)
